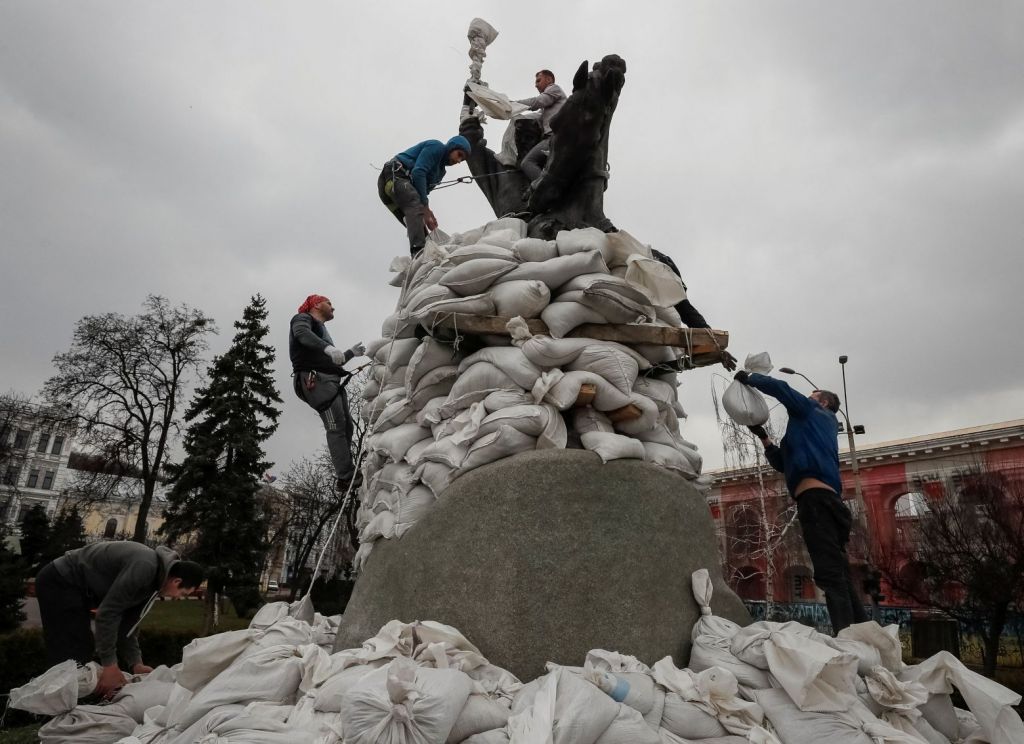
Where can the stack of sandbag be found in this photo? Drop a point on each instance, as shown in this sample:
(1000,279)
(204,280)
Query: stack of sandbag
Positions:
(439,405)
(852,689)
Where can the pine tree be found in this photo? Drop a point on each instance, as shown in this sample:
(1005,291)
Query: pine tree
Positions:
(66,533)
(213,499)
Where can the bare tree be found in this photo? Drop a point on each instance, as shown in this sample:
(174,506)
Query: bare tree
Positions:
(123,378)
(314,505)
(963,553)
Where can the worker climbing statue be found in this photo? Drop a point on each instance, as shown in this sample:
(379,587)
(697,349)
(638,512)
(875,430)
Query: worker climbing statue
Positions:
(569,193)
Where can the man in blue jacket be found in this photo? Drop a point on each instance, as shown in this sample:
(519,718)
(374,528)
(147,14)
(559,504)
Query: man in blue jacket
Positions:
(808,456)
(406,180)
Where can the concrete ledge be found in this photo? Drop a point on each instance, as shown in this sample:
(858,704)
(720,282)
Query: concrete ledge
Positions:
(546,555)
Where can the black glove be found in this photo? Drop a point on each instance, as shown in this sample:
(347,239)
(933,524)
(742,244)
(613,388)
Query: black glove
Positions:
(759,431)
(742,376)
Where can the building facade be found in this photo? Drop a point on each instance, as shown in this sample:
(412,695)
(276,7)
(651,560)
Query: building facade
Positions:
(761,548)
(35,444)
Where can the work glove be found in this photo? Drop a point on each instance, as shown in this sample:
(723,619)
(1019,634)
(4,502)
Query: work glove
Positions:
(759,431)
(742,377)
(359,349)
(337,355)
(728,361)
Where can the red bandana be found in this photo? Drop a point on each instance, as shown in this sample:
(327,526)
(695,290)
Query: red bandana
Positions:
(312,301)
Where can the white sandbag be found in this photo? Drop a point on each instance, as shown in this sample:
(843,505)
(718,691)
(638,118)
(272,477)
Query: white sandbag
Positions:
(506,399)
(662,392)
(138,697)
(395,326)
(534,249)
(656,280)
(688,720)
(509,359)
(310,722)
(479,714)
(435,476)
(617,367)
(205,658)
(88,724)
(430,355)
(446,452)
(370,391)
(425,393)
(633,689)
(561,708)
(404,703)
(661,435)
(414,455)
(396,353)
(610,446)
(557,271)
(430,408)
(569,242)
(480,304)
(886,640)
(374,346)
(423,296)
(749,643)
(56,690)
(289,631)
(562,318)
(506,227)
(712,638)
(816,677)
(395,413)
(504,442)
(588,419)
(474,277)
(990,702)
(474,384)
(381,526)
(395,442)
(547,352)
(249,729)
(411,508)
(493,103)
(629,727)
(564,393)
(541,422)
(795,726)
(463,427)
(647,419)
(621,245)
(467,253)
(328,695)
(745,406)
(525,298)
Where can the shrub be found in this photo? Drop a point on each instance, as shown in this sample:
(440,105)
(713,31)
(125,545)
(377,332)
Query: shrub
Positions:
(331,597)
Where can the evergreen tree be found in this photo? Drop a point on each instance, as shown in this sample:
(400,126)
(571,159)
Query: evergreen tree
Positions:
(66,533)
(213,499)
(12,584)
(35,534)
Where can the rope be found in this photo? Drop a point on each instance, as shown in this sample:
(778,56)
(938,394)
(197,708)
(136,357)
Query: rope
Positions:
(469,179)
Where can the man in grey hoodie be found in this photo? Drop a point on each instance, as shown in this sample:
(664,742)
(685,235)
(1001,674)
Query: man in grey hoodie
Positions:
(121,580)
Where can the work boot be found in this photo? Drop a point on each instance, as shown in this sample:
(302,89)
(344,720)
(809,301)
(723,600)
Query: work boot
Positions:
(342,483)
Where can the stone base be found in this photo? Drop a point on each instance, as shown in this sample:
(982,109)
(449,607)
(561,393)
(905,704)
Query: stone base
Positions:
(546,555)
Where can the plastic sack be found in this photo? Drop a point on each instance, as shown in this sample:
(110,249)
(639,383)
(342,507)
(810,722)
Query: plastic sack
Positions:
(494,103)
(610,446)
(56,690)
(656,280)
(526,298)
(746,406)
(474,277)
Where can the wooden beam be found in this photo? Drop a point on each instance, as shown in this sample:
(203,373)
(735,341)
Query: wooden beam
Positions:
(702,341)
(588,391)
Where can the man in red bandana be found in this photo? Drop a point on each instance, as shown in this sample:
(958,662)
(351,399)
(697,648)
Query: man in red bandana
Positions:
(319,379)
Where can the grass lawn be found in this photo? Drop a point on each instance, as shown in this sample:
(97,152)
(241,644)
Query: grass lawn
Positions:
(22,735)
(186,616)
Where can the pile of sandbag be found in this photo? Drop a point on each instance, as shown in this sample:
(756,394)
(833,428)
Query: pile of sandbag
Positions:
(440,404)
(420,682)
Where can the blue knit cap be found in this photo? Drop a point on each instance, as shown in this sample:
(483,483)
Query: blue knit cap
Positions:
(458,142)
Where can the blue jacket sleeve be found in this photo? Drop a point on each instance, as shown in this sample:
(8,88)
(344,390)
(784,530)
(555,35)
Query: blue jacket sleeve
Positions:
(427,163)
(795,403)
(773,454)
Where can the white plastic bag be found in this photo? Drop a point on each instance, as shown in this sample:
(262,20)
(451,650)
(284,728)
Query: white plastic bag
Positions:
(746,406)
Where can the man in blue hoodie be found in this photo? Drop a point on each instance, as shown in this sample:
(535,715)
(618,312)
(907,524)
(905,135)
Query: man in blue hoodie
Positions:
(808,456)
(406,180)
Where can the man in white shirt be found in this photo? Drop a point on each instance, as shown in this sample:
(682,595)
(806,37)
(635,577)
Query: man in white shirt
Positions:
(550,99)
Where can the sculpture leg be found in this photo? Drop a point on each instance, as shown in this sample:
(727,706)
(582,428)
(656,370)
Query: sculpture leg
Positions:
(533,162)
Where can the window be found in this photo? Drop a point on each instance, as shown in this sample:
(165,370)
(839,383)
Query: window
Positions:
(110,531)
(48,479)
(11,475)
(44,439)
(912,505)
(33,478)
(21,439)
(58,444)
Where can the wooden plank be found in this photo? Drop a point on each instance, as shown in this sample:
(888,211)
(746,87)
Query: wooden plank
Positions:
(701,341)
(626,413)
(588,391)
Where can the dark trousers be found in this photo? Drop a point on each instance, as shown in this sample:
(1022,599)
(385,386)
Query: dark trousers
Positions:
(401,198)
(534,161)
(328,398)
(825,521)
(67,622)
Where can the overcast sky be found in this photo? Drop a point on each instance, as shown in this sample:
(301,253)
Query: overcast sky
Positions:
(841,178)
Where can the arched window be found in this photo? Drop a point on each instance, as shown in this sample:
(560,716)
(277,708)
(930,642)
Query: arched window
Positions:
(913,505)
(111,529)
(749,583)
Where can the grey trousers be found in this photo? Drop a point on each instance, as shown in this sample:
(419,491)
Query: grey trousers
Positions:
(328,398)
(401,198)
(534,161)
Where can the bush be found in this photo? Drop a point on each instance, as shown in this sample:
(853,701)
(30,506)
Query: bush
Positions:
(246,600)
